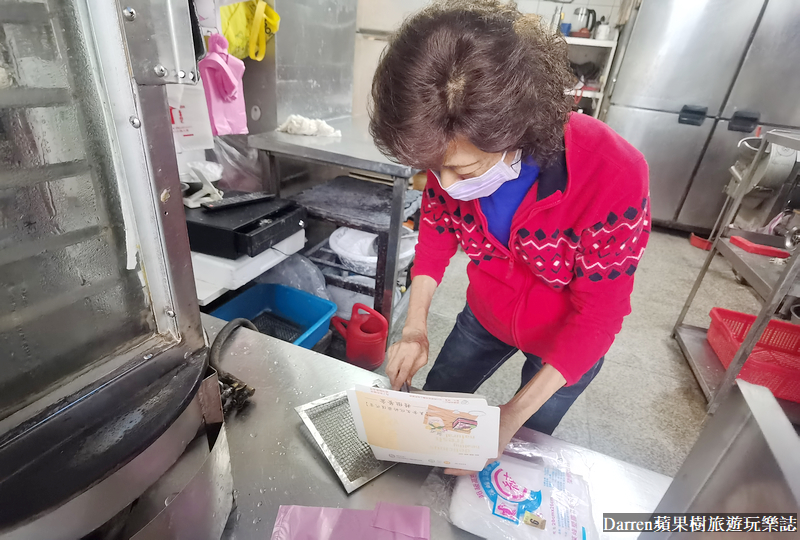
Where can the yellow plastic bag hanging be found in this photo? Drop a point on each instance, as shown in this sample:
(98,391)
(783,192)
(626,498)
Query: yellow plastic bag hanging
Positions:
(247,26)
(236,20)
(266,22)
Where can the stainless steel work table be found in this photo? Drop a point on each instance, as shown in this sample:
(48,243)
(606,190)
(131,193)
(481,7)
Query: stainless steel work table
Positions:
(275,462)
(354,150)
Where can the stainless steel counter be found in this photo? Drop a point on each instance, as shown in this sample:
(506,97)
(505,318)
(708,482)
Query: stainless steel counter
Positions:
(276,462)
(354,149)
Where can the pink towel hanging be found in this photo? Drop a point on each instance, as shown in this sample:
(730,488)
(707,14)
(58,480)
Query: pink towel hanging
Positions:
(222,80)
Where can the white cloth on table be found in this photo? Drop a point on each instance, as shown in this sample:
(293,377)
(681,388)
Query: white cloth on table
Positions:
(300,125)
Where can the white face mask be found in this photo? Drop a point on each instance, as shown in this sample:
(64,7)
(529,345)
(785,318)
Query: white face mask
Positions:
(487,183)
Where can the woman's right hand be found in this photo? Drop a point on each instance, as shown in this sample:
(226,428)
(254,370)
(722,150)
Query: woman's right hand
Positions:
(407,356)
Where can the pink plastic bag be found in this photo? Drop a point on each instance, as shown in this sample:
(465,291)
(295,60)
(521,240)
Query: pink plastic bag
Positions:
(222,80)
(386,522)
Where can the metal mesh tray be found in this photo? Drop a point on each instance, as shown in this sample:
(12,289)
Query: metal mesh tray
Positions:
(331,424)
(277,327)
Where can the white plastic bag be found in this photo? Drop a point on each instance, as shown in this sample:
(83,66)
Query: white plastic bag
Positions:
(298,272)
(241,170)
(358,249)
(191,128)
(515,498)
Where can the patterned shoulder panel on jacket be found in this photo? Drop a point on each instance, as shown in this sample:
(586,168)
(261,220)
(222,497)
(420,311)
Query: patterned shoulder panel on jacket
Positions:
(614,248)
(434,212)
(604,251)
(549,254)
(472,238)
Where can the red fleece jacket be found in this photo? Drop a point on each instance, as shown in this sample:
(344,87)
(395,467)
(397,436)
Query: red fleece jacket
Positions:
(562,287)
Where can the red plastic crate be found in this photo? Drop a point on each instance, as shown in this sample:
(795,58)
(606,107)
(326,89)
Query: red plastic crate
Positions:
(775,360)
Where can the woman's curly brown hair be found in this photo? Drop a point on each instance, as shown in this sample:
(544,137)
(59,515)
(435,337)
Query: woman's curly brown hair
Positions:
(479,69)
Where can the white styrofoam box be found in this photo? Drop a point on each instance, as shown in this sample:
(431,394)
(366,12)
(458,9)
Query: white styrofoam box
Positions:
(232,274)
(206,292)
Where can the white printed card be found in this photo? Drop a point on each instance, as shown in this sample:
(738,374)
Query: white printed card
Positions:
(443,430)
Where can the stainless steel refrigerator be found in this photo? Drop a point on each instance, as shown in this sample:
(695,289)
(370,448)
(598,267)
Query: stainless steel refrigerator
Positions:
(697,77)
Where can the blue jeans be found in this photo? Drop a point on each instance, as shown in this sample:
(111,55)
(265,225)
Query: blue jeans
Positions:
(471,355)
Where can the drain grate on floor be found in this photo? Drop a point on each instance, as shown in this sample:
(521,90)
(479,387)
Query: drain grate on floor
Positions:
(277,327)
(331,423)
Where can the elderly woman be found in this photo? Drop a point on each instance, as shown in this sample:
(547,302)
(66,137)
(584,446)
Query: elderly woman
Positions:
(550,206)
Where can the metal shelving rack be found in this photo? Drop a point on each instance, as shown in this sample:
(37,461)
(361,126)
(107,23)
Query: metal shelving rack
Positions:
(371,198)
(584,44)
(369,211)
(771,283)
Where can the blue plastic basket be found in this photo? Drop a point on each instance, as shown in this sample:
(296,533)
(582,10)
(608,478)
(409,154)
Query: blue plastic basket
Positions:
(285,308)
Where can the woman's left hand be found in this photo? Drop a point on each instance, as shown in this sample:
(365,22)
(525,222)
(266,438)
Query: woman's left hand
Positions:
(509,425)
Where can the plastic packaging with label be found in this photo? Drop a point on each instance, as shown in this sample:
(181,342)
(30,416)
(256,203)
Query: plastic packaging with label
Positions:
(519,497)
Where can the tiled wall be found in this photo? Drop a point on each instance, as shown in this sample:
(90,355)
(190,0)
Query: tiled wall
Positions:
(545,8)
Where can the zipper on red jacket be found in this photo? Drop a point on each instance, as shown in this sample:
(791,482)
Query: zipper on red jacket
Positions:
(550,201)
(499,245)
(533,211)
(547,203)
(554,200)
(515,316)
(485,225)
